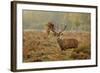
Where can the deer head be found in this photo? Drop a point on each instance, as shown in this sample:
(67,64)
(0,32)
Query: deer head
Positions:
(59,33)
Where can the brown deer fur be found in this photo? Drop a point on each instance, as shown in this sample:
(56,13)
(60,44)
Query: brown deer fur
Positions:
(67,43)
(63,43)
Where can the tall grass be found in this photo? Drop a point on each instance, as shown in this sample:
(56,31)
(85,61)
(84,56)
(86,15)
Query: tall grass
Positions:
(37,46)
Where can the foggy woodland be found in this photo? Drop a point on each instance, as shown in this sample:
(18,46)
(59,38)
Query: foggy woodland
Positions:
(38,19)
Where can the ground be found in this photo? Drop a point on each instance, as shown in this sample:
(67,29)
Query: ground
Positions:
(38,47)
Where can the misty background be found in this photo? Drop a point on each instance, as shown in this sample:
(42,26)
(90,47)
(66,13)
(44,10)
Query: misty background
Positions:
(37,20)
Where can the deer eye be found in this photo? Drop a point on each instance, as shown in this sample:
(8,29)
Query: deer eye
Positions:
(61,33)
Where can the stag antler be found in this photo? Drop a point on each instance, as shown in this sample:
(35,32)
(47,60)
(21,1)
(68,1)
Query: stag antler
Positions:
(59,33)
(51,27)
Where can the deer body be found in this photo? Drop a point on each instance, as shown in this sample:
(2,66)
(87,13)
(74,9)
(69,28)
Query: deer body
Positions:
(67,43)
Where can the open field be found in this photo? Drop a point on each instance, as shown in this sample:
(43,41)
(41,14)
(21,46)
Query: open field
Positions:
(38,47)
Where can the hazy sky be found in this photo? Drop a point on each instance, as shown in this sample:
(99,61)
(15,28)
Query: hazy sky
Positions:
(38,19)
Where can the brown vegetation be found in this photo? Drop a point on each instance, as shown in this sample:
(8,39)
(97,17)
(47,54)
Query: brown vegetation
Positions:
(38,47)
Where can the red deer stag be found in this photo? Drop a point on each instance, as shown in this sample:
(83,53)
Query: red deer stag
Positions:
(65,43)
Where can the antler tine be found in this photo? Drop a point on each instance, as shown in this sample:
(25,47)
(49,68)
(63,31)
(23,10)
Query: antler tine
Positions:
(63,29)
